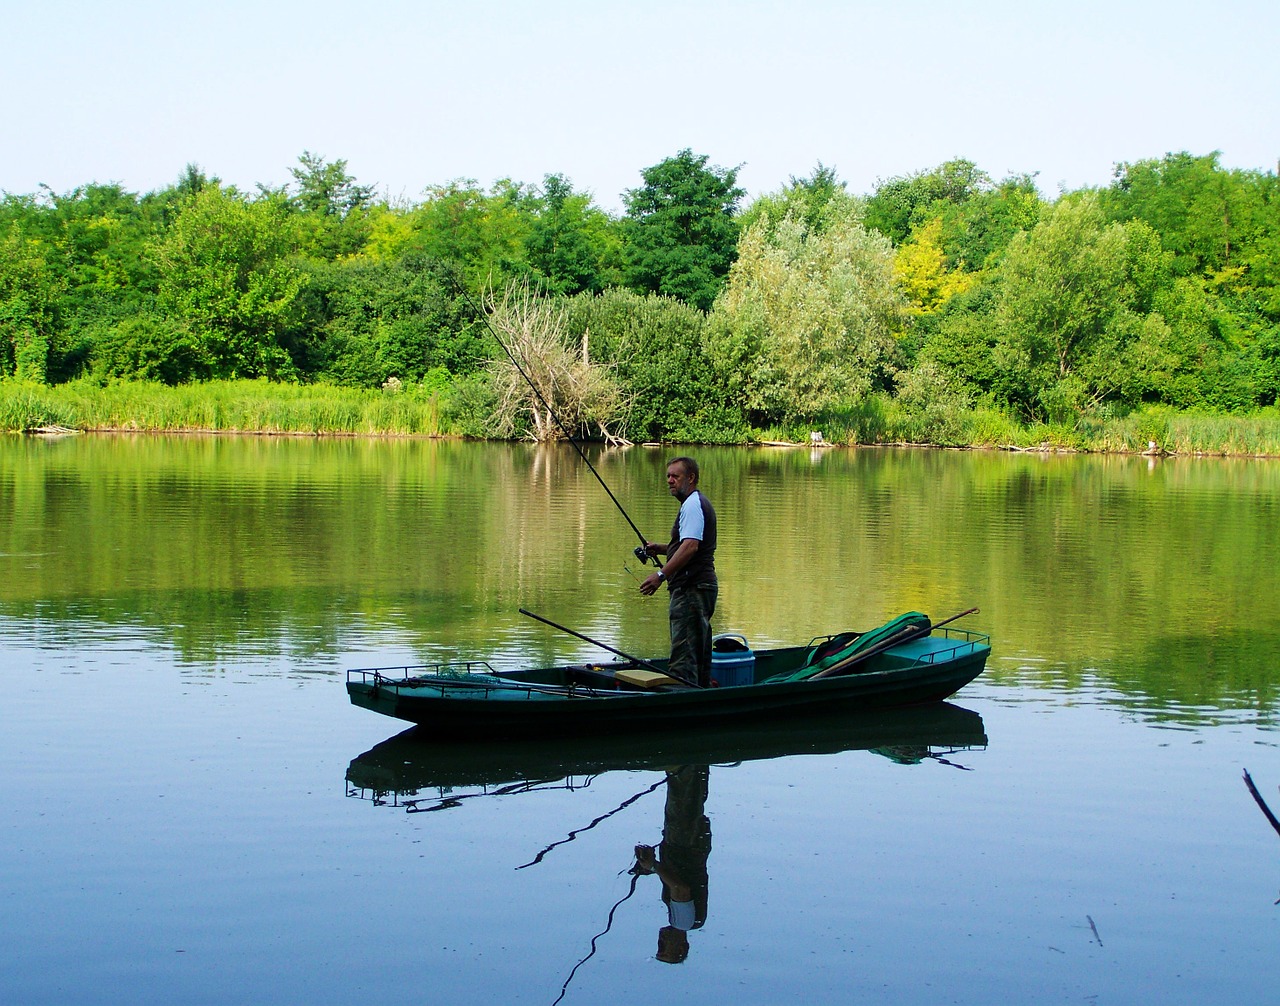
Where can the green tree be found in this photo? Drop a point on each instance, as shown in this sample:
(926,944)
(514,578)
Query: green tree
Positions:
(571,245)
(899,204)
(326,188)
(29,295)
(227,277)
(806,320)
(373,320)
(680,229)
(482,235)
(975,233)
(1075,312)
(805,199)
(655,346)
(1207,216)
(334,208)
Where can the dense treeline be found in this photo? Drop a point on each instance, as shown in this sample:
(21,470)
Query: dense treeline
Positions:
(935,308)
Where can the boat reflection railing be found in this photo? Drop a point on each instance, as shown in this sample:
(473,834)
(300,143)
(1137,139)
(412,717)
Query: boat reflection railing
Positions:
(413,800)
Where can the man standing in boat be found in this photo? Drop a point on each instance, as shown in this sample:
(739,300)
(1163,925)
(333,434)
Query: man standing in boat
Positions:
(689,573)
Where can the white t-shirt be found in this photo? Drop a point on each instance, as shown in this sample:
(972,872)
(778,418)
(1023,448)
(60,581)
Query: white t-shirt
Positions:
(681,915)
(691,522)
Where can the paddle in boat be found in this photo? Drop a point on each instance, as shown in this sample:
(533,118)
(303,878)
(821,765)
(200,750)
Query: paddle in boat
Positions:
(906,661)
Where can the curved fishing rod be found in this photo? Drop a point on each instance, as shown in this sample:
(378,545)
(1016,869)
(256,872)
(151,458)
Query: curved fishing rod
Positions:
(642,552)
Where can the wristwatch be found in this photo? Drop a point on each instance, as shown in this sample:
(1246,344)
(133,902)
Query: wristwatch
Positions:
(661,576)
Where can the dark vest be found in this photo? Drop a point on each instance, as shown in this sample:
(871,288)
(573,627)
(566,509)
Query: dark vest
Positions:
(703,567)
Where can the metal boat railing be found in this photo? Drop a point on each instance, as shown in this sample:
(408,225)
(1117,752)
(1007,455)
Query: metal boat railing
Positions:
(477,675)
(393,675)
(964,642)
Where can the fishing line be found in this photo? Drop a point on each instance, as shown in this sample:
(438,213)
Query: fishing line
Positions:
(641,552)
(635,878)
(603,817)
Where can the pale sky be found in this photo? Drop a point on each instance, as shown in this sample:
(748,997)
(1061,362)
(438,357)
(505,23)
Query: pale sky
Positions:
(413,94)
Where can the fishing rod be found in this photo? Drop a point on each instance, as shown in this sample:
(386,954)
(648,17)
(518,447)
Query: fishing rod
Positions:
(594,642)
(642,550)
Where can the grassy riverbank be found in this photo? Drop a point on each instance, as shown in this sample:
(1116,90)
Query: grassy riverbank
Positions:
(318,409)
(218,407)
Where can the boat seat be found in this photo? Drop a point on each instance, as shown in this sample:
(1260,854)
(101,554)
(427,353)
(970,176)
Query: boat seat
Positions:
(646,679)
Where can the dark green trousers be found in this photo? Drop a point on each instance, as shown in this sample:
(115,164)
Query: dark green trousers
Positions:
(691,611)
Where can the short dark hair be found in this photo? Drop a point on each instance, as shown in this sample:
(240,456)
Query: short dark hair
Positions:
(690,466)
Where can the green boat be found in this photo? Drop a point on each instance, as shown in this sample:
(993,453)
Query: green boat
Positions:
(906,662)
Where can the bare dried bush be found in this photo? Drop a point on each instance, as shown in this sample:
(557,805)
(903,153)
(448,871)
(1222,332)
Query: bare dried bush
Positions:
(584,395)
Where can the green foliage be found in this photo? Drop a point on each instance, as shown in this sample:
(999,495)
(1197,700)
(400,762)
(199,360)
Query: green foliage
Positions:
(146,347)
(812,201)
(572,246)
(935,406)
(482,235)
(29,296)
(1161,290)
(227,277)
(374,320)
(976,232)
(333,207)
(1208,217)
(899,204)
(805,322)
(680,230)
(326,188)
(1075,315)
(655,346)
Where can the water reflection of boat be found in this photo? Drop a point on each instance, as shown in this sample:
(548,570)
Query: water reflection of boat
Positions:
(411,763)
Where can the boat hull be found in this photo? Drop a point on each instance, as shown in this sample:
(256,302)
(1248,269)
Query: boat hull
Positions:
(471,707)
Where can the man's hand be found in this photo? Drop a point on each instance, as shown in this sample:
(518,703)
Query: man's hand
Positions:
(651,584)
(645,858)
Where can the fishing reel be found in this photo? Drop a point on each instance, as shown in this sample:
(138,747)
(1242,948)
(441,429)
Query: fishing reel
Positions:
(643,555)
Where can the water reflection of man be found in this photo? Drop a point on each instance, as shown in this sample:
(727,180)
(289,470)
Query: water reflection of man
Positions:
(680,861)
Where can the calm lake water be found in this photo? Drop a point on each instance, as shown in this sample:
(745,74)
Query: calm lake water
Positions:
(191,811)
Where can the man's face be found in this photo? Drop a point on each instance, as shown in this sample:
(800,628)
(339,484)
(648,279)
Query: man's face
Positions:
(679,482)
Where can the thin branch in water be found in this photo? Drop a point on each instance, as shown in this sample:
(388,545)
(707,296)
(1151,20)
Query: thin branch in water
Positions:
(1095,929)
(1248,781)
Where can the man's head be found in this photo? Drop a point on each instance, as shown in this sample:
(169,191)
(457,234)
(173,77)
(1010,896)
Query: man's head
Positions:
(673,945)
(682,477)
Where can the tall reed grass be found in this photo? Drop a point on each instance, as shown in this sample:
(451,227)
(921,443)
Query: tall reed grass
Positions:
(882,420)
(220,407)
